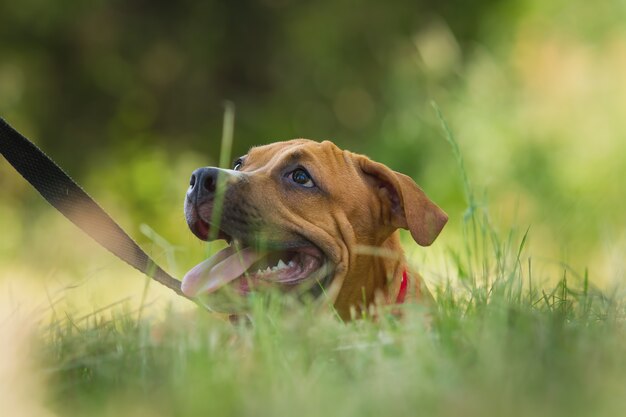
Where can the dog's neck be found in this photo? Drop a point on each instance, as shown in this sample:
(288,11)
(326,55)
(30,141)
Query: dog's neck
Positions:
(373,278)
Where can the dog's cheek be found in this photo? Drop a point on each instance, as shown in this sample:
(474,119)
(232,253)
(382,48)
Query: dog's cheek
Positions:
(240,213)
(368,215)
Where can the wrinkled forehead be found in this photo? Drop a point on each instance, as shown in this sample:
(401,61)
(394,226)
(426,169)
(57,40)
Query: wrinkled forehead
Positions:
(303,151)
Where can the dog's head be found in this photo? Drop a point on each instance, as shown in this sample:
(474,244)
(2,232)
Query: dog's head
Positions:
(294,214)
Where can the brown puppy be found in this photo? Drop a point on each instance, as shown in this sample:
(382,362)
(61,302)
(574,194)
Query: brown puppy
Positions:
(303,214)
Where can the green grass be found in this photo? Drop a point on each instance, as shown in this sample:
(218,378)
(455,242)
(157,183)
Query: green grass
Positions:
(498,351)
(496,343)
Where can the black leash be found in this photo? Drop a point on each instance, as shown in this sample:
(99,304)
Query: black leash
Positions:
(75,204)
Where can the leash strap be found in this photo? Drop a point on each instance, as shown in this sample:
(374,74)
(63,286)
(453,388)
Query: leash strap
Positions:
(75,204)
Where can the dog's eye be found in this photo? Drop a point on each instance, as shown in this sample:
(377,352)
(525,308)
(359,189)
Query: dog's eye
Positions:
(300,176)
(237,164)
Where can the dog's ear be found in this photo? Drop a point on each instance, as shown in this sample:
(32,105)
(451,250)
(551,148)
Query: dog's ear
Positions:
(409,207)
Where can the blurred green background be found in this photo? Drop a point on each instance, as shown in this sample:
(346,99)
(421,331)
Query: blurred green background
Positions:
(128,97)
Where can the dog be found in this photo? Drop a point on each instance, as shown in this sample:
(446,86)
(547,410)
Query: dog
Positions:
(306,214)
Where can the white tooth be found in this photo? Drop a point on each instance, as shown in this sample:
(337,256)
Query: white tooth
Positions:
(291,263)
(274,268)
(259,272)
(281,264)
(268,269)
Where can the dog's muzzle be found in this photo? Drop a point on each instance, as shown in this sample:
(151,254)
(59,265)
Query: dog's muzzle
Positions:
(248,262)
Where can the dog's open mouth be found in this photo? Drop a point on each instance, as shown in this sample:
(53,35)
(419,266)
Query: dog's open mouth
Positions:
(246,268)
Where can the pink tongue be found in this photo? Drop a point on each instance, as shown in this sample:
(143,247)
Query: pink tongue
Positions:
(219,269)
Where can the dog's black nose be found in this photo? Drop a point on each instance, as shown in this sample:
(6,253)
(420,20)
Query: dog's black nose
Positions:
(202,184)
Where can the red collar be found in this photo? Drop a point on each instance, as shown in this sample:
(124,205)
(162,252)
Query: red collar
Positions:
(403,288)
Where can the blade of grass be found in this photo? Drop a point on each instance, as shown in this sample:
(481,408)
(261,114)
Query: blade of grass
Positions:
(225,155)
